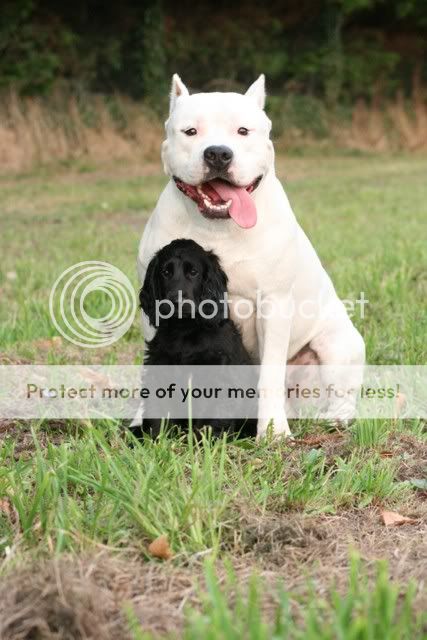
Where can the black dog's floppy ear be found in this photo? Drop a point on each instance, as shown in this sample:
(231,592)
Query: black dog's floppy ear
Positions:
(151,290)
(215,284)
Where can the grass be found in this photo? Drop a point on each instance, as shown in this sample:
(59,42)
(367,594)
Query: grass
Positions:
(270,539)
(360,613)
(99,486)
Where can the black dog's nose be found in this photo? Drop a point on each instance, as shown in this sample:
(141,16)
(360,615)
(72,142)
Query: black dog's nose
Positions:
(218,157)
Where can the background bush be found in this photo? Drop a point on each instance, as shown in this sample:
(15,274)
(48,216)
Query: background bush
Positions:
(334,50)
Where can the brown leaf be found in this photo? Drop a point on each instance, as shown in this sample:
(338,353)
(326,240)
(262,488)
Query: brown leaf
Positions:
(317,440)
(95,377)
(8,510)
(160,548)
(400,403)
(386,454)
(5,506)
(394,519)
(47,344)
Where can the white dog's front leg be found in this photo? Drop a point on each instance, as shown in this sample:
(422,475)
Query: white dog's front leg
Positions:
(273,330)
(148,333)
(341,350)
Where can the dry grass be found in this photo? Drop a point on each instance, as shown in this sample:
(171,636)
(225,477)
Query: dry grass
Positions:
(295,546)
(89,596)
(86,598)
(400,124)
(36,131)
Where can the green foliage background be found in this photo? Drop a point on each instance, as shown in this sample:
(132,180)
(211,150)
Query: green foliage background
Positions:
(336,50)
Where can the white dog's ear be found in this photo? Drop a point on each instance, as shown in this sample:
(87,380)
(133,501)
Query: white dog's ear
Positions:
(257,91)
(178,89)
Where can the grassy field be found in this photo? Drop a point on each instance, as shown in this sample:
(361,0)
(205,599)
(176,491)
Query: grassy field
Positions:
(268,540)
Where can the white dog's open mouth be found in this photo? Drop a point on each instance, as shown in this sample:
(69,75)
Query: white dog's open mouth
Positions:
(221,199)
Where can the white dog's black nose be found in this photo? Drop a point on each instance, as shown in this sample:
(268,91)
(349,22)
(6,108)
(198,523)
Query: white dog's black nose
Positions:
(218,157)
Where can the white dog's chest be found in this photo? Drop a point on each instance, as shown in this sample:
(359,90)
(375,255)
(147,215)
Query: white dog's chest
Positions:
(251,269)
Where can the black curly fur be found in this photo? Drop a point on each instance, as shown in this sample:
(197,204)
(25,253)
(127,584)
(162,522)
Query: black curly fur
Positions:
(192,340)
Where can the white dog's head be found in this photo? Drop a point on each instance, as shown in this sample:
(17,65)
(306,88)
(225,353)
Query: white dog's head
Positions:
(217,149)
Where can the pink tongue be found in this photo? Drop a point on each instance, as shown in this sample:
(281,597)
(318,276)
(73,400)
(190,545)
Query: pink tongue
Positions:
(242,209)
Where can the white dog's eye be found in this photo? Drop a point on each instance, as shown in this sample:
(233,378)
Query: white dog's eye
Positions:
(190,132)
(242,131)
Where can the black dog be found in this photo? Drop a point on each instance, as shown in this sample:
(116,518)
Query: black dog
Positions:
(198,331)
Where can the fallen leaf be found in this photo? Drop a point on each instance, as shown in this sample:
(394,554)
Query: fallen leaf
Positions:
(95,377)
(8,510)
(5,506)
(400,403)
(394,519)
(46,344)
(316,440)
(386,454)
(160,548)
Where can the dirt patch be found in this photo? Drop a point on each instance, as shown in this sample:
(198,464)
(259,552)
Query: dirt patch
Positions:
(86,598)
(333,445)
(266,535)
(90,597)
(6,359)
(294,547)
(412,453)
(53,432)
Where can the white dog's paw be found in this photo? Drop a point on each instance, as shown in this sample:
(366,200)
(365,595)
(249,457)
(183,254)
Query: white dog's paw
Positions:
(341,416)
(276,426)
(138,417)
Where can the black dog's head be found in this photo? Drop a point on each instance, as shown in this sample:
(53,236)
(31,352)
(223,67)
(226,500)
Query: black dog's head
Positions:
(184,280)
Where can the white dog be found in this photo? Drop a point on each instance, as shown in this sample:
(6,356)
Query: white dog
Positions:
(224,194)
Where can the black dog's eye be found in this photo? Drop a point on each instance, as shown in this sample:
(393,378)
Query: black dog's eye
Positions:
(193,272)
(166,272)
(242,131)
(190,132)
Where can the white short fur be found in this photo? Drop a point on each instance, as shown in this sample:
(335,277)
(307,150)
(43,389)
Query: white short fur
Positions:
(274,257)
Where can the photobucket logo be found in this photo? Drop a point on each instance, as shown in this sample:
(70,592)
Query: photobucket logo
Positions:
(263,307)
(84,292)
(182,307)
